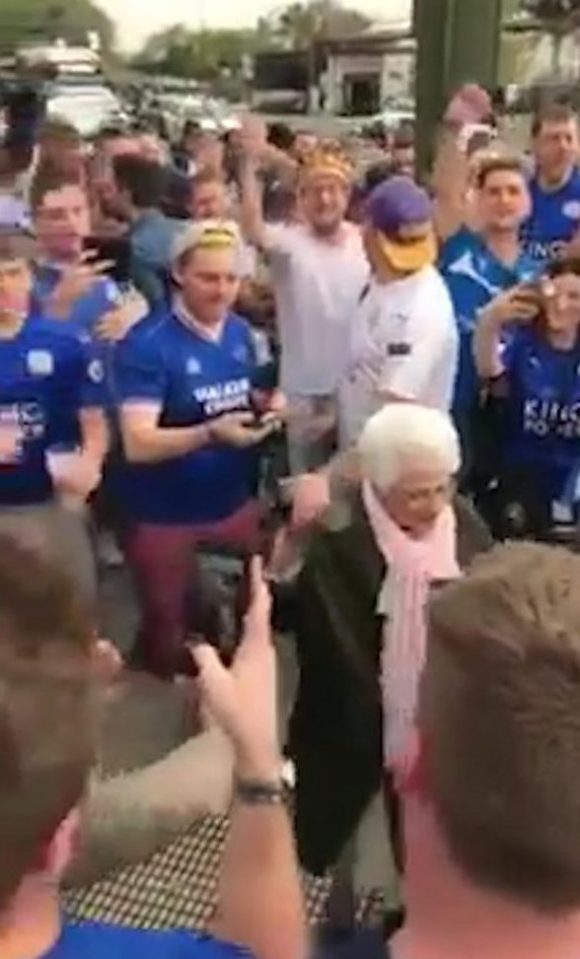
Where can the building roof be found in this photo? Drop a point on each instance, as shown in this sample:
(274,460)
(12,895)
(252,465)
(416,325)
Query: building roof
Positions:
(383,34)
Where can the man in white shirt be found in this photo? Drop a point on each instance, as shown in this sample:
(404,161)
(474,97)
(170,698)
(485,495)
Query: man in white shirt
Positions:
(404,344)
(318,269)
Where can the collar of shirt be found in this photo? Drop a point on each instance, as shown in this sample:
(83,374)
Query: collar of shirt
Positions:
(212,334)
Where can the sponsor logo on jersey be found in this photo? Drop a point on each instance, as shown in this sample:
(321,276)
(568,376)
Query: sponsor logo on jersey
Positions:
(224,397)
(241,354)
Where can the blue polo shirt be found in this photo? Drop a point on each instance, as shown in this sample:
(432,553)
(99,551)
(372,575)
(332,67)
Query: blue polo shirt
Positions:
(543,409)
(554,220)
(475,276)
(192,380)
(96,941)
(47,379)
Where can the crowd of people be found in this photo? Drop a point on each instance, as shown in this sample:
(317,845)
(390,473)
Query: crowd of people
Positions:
(365,385)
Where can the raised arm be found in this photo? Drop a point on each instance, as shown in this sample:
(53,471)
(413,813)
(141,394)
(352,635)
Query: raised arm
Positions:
(258,154)
(514,306)
(449,184)
(251,211)
(487,344)
(469,107)
(260,902)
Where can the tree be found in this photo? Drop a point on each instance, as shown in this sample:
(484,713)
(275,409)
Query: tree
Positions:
(203,54)
(302,24)
(38,21)
(558,18)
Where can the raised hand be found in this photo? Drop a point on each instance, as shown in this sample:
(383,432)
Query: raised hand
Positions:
(242,699)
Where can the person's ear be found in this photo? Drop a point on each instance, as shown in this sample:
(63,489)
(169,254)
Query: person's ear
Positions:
(61,849)
(177,275)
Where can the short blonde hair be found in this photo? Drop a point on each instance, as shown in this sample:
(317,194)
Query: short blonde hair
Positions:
(402,434)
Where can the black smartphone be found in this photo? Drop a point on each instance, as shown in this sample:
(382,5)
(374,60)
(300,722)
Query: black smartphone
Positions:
(114,250)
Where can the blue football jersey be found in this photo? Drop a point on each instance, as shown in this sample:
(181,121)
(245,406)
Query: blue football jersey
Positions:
(543,409)
(554,220)
(88,309)
(47,379)
(192,380)
(475,276)
(96,941)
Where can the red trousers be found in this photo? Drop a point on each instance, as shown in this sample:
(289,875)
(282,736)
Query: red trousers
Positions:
(161,559)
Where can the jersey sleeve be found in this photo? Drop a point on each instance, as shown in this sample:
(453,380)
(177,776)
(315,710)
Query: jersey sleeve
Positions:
(511,349)
(87,376)
(408,360)
(139,370)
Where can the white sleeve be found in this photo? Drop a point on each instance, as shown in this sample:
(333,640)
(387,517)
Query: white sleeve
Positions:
(409,362)
(278,240)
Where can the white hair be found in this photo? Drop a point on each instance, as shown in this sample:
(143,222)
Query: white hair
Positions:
(402,436)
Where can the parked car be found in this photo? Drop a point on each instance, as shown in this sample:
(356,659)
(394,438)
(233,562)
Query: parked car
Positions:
(88,106)
(394,113)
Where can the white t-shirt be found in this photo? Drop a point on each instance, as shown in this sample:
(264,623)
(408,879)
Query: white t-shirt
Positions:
(14,212)
(317,284)
(405,343)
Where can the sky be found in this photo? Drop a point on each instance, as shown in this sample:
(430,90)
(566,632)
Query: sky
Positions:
(136,19)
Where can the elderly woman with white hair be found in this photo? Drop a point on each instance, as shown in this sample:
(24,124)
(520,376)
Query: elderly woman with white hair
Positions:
(360,624)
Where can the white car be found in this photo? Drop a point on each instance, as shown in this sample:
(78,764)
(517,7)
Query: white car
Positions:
(87,107)
(394,113)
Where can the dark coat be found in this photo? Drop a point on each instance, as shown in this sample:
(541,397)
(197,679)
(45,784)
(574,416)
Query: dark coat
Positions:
(336,727)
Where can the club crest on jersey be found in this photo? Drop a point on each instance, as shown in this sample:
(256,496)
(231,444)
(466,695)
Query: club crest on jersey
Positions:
(241,354)
(40,363)
(193,366)
(96,371)
(572,209)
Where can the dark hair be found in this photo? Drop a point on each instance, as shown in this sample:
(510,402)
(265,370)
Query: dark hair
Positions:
(191,127)
(48,179)
(563,267)
(404,137)
(280,135)
(376,174)
(555,112)
(46,731)
(498,164)
(144,180)
(499,712)
(111,133)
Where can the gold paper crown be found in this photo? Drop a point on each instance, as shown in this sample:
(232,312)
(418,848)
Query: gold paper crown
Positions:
(330,160)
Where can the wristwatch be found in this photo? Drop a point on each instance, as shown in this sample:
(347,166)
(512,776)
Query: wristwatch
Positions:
(259,793)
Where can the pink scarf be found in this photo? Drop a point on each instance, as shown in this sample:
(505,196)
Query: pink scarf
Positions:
(412,565)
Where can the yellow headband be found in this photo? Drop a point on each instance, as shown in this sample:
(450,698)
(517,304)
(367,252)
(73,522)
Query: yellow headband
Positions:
(216,238)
